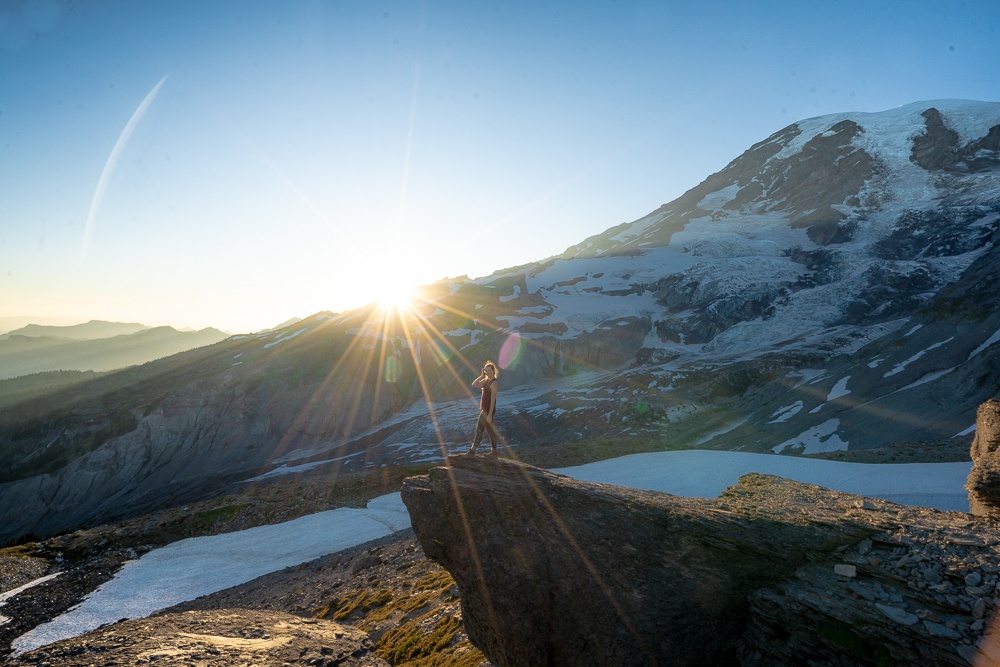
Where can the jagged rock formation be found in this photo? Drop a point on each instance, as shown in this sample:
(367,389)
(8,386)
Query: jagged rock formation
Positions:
(214,639)
(773,572)
(983,483)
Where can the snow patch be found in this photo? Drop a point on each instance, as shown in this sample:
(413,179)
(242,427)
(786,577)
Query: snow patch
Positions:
(989,341)
(839,389)
(285,337)
(20,589)
(929,377)
(900,367)
(511,297)
(706,474)
(637,228)
(784,414)
(286,469)
(187,569)
(716,200)
(818,439)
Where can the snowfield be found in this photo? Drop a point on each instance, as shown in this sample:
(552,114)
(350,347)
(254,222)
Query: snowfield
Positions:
(191,568)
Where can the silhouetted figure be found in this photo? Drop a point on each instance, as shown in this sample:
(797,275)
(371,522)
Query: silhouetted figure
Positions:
(487,381)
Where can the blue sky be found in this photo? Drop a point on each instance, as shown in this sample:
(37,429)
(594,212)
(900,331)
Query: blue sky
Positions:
(234,164)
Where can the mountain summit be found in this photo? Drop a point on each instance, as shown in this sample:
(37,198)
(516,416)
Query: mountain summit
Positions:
(833,287)
(848,220)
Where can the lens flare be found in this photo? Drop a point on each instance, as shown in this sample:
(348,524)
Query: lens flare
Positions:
(442,354)
(510,352)
(392,370)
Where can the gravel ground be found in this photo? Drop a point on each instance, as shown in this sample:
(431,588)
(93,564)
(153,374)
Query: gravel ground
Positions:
(17,571)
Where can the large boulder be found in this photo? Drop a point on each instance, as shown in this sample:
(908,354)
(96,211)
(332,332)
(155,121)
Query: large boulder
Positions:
(556,571)
(983,483)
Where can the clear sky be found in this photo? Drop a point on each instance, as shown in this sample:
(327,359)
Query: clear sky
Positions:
(237,163)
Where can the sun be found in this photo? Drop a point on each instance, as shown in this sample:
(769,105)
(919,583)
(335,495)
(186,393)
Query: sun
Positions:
(396,297)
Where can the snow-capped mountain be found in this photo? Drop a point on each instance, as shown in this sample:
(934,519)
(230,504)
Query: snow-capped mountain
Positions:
(860,241)
(835,286)
(849,221)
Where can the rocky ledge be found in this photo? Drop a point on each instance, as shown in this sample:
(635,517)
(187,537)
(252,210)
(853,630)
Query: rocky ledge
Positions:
(555,571)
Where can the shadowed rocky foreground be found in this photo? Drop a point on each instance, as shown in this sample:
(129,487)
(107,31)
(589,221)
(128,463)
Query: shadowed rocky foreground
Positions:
(545,569)
(215,638)
(773,572)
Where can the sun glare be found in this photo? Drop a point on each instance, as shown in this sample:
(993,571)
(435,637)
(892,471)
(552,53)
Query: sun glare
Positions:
(396,298)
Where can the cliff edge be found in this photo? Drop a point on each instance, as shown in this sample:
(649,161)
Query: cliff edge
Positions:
(773,572)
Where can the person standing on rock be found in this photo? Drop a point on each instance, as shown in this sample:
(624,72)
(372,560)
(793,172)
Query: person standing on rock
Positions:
(487,381)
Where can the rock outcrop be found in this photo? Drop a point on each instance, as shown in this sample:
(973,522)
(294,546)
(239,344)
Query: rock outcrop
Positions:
(983,483)
(555,571)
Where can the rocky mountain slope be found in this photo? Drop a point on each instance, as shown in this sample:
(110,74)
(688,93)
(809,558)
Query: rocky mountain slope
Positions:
(833,287)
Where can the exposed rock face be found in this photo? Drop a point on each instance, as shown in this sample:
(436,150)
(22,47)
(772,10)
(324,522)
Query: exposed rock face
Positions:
(983,483)
(937,146)
(215,639)
(987,439)
(554,571)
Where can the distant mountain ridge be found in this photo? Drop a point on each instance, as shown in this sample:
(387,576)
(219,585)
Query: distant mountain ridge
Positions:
(38,351)
(836,286)
(87,331)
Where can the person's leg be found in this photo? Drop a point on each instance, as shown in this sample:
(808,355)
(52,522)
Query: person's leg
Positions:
(491,429)
(480,427)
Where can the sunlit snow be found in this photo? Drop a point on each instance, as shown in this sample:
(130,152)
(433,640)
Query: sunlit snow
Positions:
(285,336)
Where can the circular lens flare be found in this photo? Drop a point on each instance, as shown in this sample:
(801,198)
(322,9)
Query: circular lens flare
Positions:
(510,352)
(392,370)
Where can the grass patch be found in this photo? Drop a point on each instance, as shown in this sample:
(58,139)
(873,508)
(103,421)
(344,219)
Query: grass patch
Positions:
(412,622)
(435,581)
(415,645)
(26,551)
